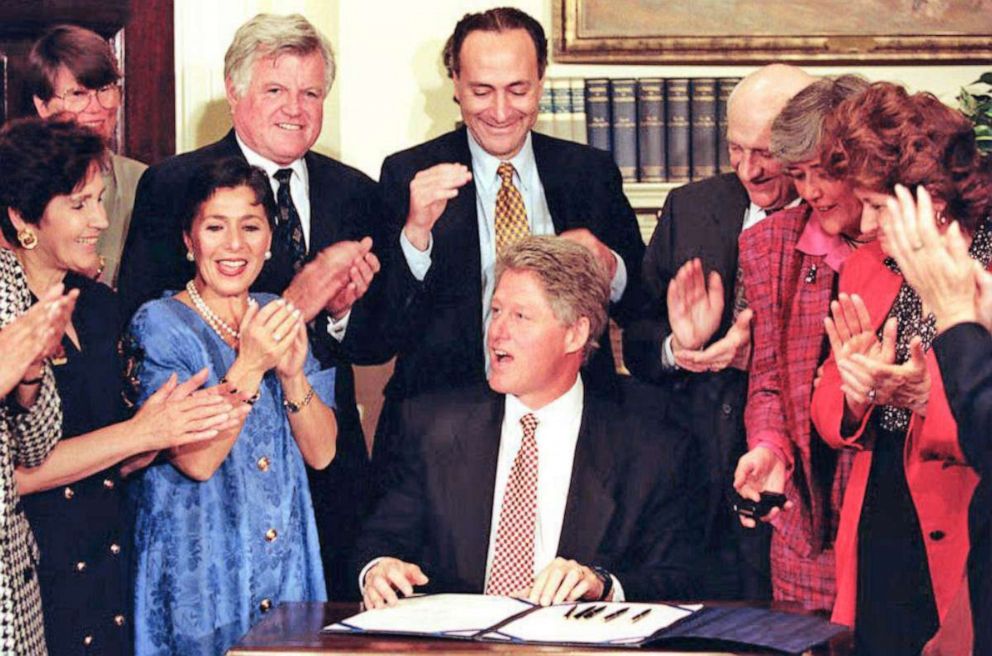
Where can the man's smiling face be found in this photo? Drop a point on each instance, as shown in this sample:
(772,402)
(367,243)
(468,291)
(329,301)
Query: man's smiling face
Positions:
(279,115)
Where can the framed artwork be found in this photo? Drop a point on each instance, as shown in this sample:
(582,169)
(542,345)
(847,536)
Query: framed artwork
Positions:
(762,31)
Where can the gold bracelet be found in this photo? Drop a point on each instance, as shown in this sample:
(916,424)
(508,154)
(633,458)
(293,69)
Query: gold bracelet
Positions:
(293,408)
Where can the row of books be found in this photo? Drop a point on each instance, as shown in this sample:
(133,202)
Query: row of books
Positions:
(658,129)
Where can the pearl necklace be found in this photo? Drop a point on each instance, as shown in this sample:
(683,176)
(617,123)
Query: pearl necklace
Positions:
(219,325)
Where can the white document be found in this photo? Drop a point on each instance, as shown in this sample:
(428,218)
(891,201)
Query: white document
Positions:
(612,625)
(456,615)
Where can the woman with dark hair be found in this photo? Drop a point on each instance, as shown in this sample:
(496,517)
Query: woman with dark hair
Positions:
(903,538)
(50,191)
(225,530)
(789,265)
(73,73)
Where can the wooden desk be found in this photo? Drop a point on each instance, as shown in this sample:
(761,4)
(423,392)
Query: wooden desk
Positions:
(294,630)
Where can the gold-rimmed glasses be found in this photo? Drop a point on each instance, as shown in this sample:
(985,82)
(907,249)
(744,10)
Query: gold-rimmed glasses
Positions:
(76,100)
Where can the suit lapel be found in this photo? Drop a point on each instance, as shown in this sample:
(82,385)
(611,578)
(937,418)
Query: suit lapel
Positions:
(590,505)
(554,190)
(471,486)
(322,209)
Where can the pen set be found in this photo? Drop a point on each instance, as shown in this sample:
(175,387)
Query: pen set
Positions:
(591,611)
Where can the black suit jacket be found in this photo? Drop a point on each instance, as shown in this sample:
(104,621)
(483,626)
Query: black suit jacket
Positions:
(435,325)
(702,219)
(343,203)
(964,354)
(626,509)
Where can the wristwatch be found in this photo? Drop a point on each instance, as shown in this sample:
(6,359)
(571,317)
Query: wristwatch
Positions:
(606,578)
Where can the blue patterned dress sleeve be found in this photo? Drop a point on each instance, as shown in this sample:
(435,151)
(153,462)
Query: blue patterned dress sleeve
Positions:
(214,556)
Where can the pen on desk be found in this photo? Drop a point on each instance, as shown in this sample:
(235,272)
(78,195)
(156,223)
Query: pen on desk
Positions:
(582,613)
(640,615)
(570,611)
(595,611)
(616,614)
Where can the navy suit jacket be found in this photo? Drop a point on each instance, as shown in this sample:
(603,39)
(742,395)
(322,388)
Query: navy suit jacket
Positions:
(626,510)
(343,203)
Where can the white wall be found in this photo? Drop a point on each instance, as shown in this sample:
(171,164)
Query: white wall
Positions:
(391,90)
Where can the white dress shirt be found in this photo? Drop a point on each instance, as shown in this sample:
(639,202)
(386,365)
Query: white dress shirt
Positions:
(487,184)
(299,191)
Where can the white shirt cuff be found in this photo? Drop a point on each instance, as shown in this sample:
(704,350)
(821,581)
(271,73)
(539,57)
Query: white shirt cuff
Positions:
(418,261)
(365,570)
(617,592)
(336,328)
(667,354)
(619,282)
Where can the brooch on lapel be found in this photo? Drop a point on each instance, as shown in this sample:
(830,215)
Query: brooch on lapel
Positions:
(811,275)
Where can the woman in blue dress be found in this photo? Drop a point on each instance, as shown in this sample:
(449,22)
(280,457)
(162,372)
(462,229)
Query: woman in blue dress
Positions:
(224,531)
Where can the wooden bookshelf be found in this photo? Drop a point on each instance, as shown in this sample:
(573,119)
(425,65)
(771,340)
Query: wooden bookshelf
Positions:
(647,198)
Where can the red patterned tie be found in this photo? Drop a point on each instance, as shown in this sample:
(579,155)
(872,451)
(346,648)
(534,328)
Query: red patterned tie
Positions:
(513,559)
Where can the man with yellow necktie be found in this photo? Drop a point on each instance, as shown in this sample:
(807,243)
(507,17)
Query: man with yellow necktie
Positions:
(454,203)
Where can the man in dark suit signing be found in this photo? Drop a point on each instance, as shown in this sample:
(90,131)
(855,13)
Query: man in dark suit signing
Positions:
(533,486)
(694,338)
(278,70)
(454,202)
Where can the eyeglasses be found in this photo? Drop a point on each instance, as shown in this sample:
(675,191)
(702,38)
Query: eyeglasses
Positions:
(76,100)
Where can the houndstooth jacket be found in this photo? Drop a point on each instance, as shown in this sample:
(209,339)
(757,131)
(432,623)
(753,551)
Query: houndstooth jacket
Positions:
(26,437)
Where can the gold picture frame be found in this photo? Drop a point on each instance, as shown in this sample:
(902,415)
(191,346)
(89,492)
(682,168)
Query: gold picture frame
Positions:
(763,31)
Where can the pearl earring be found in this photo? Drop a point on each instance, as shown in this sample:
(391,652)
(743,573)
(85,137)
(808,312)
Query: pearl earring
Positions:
(189,256)
(268,255)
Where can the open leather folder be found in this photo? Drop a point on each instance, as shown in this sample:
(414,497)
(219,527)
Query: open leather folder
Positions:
(589,624)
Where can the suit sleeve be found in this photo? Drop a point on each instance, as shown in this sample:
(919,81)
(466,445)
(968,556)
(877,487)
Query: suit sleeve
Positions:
(396,527)
(624,238)
(764,415)
(402,307)
(660,562)
(964,354)
(643,336)
(363,343)
(153,257)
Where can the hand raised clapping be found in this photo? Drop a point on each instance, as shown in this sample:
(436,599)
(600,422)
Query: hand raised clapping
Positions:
(694,309)
(949,282)
(267,334)
(181,413)
(34,336)
(430,191)
(868,371)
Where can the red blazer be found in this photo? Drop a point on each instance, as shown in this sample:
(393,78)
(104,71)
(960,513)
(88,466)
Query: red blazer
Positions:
(940,481)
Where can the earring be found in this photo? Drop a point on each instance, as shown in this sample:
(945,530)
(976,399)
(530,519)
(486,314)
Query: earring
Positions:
(189,256)
(27,238)
(941,218)
(268,255)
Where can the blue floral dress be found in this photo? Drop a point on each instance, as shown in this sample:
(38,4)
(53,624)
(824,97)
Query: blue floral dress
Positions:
(214,556)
